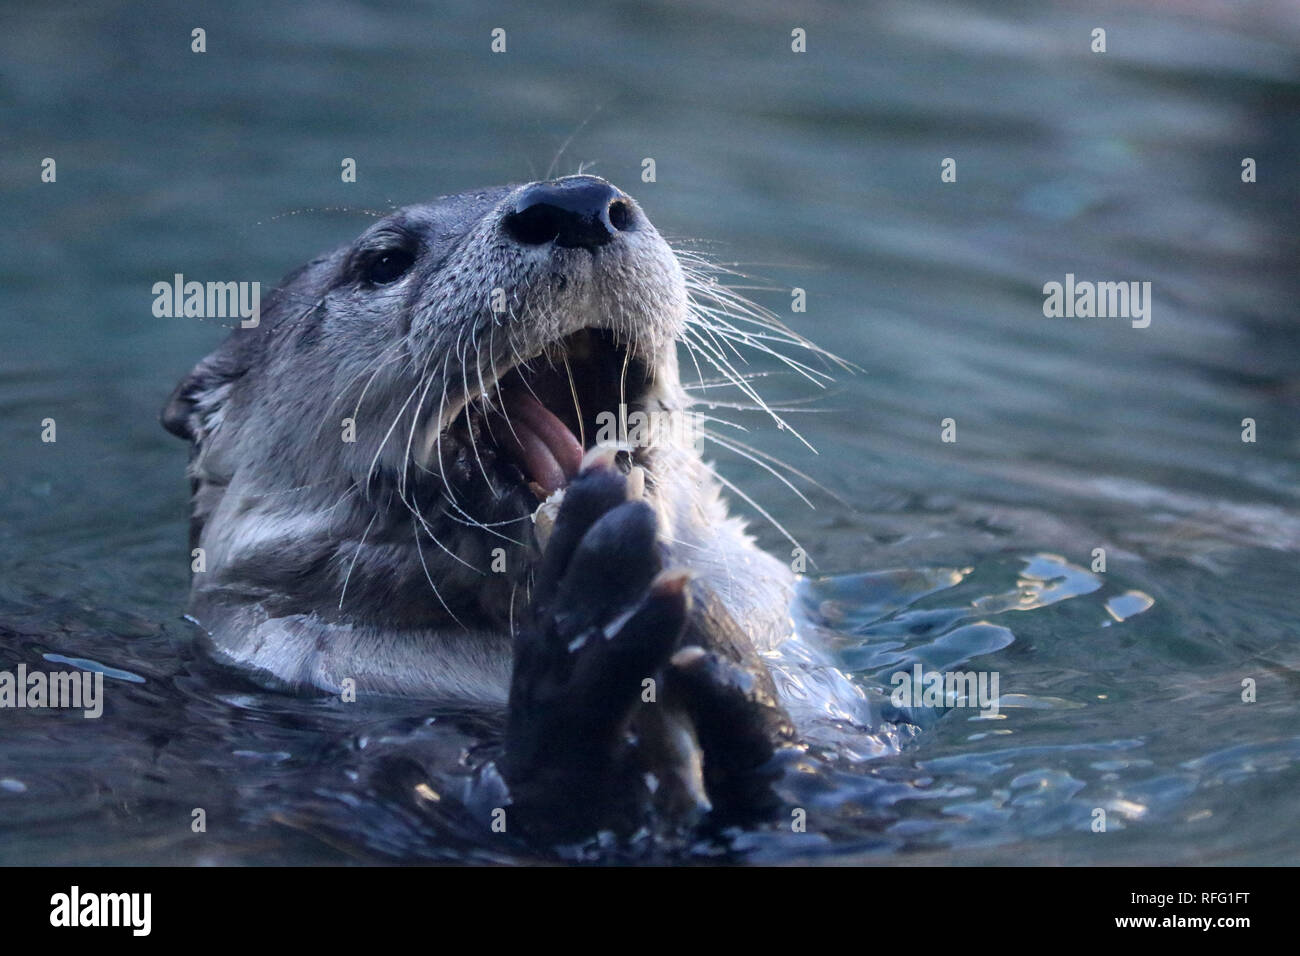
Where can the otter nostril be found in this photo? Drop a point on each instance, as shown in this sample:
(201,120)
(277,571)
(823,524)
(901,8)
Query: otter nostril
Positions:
(620,215)
(535,225)
(576,212)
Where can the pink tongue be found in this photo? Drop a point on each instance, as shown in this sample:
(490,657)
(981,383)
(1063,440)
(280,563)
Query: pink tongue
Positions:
(548,451)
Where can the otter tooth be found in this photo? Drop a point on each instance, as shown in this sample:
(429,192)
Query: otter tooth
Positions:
(671,581)
(636,483)
(601,456)
(545,515)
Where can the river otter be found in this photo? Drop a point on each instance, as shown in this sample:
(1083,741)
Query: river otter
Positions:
(367,462)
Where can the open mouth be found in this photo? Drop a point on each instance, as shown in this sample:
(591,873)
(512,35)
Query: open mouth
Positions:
(546,412)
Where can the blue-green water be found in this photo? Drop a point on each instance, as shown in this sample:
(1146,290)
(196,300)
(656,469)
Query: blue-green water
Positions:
(1122,689)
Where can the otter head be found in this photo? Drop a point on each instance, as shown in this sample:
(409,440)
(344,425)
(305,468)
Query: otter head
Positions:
(407,399)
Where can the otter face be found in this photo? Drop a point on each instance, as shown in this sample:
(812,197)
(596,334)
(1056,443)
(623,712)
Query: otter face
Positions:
(407,399)
(560,305)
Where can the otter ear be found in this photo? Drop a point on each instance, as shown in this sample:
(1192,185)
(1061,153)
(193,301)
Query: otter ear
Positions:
(196,403)
(196,406)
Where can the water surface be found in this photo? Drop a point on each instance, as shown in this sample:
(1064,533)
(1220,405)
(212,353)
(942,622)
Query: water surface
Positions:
(1121,690)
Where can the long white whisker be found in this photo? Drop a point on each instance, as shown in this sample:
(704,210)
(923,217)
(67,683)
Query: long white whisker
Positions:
(488,526)
(740,450)
(441,425)
(428,577)
(473,443)
(755,505)
(388,434)
(704,384)
(812,374)
(577,406)
(722,365)
(415,424)
(356,554)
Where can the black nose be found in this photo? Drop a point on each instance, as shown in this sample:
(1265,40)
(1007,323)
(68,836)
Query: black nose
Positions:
(576,212)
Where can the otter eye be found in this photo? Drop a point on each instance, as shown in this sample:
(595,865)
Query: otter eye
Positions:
(388,266)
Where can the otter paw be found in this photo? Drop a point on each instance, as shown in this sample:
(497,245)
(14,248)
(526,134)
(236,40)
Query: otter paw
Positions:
(741,728)
(604,616)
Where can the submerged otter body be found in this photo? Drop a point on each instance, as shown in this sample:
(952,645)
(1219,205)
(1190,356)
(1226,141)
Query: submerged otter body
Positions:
(367,461)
